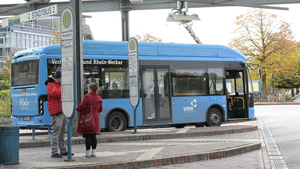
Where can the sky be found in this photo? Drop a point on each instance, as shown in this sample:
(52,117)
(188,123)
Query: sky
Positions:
(215,27)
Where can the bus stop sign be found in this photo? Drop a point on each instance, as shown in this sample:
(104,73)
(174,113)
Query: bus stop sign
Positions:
(67,56)
(133,64)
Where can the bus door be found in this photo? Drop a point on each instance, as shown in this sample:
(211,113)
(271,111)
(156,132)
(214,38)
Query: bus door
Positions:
(237,106)
(156,95)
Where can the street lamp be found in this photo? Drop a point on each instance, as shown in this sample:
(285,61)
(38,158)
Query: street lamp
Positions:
(273,78)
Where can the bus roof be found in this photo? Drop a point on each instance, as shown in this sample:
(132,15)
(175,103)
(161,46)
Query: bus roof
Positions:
(146,49)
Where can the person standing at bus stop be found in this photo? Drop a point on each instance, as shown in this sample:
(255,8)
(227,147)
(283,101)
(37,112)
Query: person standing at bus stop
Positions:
(59,123)
(91,103)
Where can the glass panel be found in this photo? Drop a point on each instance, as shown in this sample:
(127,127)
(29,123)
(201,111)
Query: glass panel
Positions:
(239,83)
(19,40)
(229,86)
(8,40)
(249,82)
(216,78)
(15,40)
(43,41)
(25,73)
(188,78)
(27,41)
(236,78)
(1,42)
(53,65)
(39,41)
(2,52)
(110,75)
(149,100)
(189,82)
(47,41)
(163,93)
(35,43)
(216,84)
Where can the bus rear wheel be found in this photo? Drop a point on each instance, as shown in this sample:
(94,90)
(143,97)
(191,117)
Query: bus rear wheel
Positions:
(214,117)
(116,122)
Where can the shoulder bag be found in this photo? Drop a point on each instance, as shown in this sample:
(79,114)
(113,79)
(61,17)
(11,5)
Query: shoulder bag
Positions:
(87,122)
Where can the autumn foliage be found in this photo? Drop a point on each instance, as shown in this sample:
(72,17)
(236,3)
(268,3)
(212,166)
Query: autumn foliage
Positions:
(5,73)
(147,37)
(267,40)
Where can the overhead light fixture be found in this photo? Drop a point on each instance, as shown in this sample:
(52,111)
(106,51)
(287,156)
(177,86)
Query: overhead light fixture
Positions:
(176,17)
(184,19)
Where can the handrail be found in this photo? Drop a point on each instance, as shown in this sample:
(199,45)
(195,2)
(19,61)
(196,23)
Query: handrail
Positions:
(229,98)
(243,101)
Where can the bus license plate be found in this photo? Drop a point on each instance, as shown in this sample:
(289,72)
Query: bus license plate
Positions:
(27,118)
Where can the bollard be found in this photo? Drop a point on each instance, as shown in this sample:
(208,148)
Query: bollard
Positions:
(9,144)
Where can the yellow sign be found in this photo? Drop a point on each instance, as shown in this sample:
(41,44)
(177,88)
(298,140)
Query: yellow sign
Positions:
(132,45)
(66,19)
(255,86)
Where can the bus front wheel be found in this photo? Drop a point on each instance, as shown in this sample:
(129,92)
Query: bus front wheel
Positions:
(116,122)
(214,117)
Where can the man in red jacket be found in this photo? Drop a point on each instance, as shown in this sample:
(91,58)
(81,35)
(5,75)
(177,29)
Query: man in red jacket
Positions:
(59,123)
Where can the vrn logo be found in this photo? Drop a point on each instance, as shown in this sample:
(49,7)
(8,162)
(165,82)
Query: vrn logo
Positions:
(24,102)
(191,108)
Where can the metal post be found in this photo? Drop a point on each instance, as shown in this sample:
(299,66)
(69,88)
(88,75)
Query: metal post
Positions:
(69,123)
(125,26)
(135,127)
(273,82)
(77,6)
(186,7)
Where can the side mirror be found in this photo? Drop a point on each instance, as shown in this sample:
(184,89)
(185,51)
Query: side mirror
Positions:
(259,73)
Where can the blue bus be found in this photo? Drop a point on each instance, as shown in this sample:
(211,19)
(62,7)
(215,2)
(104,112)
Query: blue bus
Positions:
(180,84)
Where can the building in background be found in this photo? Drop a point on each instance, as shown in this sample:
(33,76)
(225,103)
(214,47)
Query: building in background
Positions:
(35,33)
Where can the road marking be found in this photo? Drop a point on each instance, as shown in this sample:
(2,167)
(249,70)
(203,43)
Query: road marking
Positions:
(149,154)
(183,130)
(159,143)
(208,140)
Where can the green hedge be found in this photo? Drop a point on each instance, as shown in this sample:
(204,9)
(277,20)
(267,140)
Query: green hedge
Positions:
(5,94)
(4,85)
(5,103)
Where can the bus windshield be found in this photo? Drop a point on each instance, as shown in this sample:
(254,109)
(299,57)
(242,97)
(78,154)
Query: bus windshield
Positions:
(24,73)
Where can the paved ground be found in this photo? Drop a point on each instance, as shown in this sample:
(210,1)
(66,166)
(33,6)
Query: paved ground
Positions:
(250,160)
(277,103)
(236,145)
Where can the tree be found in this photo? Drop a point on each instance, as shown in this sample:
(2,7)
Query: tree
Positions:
(293,80)
(147,37)
(5,73)
(268,41)
(55,34)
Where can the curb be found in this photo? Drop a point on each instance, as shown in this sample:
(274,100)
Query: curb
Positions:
(170,160)
(110,139)
(151,127)
(239,121)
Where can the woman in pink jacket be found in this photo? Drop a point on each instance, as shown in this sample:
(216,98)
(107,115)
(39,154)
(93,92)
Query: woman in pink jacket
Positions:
(85,108)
